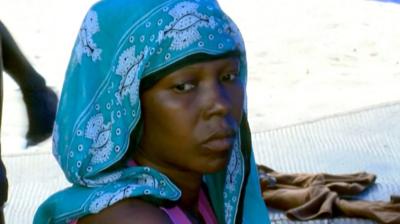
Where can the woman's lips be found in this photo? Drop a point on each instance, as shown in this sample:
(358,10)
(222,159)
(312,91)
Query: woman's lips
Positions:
(219,142)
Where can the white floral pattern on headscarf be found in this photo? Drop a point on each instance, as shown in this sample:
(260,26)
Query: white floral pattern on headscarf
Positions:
(86,44)
(120,43)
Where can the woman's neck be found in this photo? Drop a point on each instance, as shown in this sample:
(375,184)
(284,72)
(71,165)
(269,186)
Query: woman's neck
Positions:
(187,181)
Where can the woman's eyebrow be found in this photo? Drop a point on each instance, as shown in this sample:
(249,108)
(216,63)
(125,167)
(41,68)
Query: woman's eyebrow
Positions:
(233,64)
(188,69)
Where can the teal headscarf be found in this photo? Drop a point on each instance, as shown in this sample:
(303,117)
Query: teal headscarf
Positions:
(120,43)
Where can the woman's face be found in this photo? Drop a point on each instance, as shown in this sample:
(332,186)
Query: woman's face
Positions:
(192,115)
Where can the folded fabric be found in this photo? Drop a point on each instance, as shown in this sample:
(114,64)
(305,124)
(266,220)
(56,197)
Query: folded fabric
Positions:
(311,196)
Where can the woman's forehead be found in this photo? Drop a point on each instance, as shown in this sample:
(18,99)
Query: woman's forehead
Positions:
(192,62)
(227,62)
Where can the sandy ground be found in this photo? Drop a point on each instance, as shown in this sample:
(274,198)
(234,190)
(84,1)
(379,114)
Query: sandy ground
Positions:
(307,58)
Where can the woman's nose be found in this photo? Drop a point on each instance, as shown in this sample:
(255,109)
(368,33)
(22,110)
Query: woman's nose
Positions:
(217,101)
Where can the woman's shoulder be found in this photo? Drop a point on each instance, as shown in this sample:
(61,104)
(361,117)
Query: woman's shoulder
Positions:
(131,210)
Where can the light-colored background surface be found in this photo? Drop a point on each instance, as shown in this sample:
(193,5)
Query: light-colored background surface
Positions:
(307,58)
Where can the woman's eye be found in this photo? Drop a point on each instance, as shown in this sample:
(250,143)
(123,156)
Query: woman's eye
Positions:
(184,87)
(229,77)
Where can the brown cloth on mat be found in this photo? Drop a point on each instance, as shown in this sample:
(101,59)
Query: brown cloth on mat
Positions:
(312,196)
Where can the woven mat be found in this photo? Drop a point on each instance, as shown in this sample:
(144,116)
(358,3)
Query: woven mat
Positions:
(32,177)
(366,140)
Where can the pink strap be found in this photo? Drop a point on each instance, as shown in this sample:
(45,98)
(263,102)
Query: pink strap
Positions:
(206,210)
(131,162)
(177,216)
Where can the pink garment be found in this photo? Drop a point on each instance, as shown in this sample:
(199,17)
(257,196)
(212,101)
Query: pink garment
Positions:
(176,214)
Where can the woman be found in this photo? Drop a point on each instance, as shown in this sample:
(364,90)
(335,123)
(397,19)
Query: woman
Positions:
(152,124)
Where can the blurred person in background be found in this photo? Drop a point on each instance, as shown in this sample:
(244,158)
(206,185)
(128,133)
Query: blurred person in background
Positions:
(40,100)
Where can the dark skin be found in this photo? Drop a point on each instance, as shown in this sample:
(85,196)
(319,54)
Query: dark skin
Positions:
(190,119)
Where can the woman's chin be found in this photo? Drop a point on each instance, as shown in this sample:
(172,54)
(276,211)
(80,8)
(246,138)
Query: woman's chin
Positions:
(215,166)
